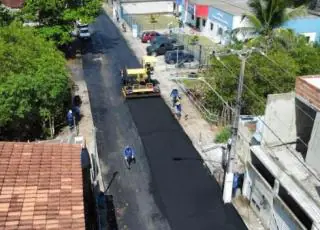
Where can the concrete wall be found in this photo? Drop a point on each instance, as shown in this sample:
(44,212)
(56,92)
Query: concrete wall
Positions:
(242,146)
(305,116)
(272,211)
(280,119)
(259,192)
(313,154)
(148,7)
(283,218)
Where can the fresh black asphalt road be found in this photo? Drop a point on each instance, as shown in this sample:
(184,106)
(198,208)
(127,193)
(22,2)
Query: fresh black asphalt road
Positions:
(158,192)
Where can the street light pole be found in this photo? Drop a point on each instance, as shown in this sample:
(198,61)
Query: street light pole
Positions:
(228,182)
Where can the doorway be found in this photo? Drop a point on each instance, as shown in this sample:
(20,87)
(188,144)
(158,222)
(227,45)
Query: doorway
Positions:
(198,23)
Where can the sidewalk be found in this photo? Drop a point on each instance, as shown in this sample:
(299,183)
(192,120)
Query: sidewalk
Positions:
(200,132)
(86,126)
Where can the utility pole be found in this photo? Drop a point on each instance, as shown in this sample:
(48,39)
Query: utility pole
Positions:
(228,182)
(231,145)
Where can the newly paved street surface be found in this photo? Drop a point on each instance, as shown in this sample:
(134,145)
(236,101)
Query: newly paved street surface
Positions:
(158,192)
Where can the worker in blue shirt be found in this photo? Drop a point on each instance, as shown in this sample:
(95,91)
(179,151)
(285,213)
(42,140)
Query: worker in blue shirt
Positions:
(70,119)
(175,96)
(129,155)
(178,108)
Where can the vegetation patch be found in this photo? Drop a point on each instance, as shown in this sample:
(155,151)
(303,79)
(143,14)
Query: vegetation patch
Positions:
(223,135)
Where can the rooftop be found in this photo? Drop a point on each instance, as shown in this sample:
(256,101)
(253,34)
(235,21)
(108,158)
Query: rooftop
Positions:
(293,174)
(41,186)
(308,87)
(234,7)
(13,3)
(315,81)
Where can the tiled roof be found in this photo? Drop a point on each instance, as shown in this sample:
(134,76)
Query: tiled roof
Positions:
(40,186)
(13,3)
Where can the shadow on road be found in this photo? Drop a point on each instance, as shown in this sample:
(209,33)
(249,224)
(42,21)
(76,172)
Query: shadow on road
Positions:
(111,213)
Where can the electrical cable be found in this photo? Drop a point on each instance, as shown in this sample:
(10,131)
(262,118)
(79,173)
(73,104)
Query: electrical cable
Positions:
(283,143)
(257,97)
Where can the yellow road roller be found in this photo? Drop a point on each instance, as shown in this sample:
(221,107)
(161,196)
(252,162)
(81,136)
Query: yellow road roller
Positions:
(137,83)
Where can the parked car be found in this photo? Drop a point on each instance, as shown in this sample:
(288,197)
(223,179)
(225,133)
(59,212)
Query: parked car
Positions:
(181,56)
(83,31)
(147,36)
(161,46)
(163,37)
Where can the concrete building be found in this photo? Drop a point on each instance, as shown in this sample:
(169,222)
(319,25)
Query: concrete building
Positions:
(147,6)
(216,19)
(282,179)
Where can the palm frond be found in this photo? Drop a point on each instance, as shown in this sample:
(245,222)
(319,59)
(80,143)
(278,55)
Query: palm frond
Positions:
(295,12)
(253,20)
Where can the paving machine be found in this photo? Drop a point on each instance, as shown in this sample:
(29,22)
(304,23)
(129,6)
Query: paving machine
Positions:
(138,83)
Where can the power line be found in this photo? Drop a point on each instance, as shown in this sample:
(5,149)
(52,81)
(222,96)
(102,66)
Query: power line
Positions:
(261,101)
(283,143)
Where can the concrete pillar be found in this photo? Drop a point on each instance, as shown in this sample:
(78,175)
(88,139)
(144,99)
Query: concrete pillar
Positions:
(276,187)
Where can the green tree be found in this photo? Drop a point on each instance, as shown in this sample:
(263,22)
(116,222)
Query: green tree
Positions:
(34,84)
(262,77)
(6,17)
(267,15)
(56,18)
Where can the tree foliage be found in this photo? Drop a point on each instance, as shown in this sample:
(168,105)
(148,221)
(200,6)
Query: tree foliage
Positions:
(34,85)
(262,76)
(56,18)
(6,17)
(267,15)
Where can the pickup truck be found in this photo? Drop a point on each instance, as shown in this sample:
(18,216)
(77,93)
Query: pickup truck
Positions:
(160,46)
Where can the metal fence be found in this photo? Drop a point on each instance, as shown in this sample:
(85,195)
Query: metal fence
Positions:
(129,19)
(201,52)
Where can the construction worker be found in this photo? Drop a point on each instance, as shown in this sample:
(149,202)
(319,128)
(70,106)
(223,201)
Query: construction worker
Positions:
(70,119)
(178,108)
(174,96)
(129,155)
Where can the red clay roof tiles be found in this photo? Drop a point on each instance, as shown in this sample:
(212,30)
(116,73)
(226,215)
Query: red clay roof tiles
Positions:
(40,186)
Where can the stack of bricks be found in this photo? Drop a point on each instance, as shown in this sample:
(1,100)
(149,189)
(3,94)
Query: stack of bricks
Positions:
(308,88)
(41,186)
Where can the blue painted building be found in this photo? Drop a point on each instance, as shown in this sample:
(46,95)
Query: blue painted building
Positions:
(310,27)
(218,24)
(224,17)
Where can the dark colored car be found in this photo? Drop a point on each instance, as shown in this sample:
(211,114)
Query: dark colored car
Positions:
(162,38)
(160,46)
(171,57)
(147,36)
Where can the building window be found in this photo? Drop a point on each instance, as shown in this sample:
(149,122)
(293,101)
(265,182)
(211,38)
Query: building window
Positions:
(192,17)
(295,208)
(220,31)
(211,26)
(262,169)
(204,22)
